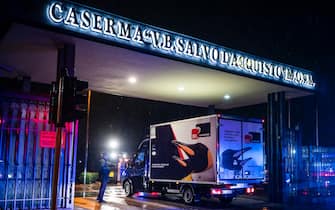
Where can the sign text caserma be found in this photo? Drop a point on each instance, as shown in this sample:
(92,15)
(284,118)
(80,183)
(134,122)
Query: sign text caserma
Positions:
(121,30)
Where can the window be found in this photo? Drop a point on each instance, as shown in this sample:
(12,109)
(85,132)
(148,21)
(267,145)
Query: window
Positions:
(141,155)
(139,161)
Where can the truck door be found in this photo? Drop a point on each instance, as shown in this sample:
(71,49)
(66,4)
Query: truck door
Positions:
(230,154)
(252,143)
(241,152)
(140,161)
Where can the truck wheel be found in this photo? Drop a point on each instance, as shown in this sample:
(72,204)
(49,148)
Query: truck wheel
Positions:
(128,188)
(188,196)
(225,201)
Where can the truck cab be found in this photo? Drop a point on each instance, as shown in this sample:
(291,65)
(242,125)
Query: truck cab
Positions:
(135,177)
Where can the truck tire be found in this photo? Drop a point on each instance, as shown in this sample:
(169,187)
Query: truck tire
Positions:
(128,188)
(225,201)
(188,195)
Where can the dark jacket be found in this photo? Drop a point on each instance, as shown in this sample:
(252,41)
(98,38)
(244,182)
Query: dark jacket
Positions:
(105,168)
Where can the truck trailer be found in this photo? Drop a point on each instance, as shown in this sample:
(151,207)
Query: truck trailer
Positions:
(209,156)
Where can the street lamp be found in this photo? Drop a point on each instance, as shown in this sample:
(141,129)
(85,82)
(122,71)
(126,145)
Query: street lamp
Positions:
(114,155)
(113,143)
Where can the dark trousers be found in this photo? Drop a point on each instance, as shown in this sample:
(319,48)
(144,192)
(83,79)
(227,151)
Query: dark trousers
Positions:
(102,189)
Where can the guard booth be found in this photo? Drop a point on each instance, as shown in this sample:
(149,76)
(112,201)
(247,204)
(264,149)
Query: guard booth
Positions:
(172,67)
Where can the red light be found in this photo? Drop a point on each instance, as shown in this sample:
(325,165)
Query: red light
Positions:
(263,120)
(216,191)
(154,193)
(250,190)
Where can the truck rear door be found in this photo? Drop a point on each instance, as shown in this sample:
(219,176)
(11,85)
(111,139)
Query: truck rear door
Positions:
(241,150)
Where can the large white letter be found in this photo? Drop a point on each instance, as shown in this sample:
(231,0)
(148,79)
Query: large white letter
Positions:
(155,37)
(124,30)
(56,12)
(109,26)
(71,18)
(166,39)
(97,23)
(137,36)
(179,45)
(213,55)
(85,19)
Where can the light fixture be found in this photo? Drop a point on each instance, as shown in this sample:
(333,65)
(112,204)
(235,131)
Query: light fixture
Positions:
(226,97)
(181,88)
(132,80)
(113,143)
(113,155)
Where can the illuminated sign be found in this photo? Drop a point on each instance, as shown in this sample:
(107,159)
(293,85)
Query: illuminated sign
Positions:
(110,27)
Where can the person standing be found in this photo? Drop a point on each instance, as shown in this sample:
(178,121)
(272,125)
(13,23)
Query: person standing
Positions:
(105,168)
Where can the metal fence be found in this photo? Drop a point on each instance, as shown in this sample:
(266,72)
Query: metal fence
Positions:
(309,173)
(26,168)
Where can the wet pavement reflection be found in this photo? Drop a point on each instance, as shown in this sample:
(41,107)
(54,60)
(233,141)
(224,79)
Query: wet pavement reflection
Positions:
(115,200)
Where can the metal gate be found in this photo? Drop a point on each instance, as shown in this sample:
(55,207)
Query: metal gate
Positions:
(26,168)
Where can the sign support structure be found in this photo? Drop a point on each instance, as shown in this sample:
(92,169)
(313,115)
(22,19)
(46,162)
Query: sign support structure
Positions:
(59,128)
(87,138)
(68,102)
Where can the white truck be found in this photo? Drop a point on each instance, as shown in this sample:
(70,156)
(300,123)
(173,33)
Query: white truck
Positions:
(210,156)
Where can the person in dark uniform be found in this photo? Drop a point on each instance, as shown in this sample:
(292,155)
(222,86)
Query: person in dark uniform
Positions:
(105,168)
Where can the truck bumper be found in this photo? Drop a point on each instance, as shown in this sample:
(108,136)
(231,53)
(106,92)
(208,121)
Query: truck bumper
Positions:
(228,193)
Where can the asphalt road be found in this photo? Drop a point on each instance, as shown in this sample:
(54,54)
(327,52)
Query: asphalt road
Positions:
(115,200)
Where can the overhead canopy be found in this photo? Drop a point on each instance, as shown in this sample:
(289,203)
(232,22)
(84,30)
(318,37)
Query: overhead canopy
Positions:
(33,52)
